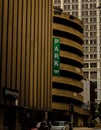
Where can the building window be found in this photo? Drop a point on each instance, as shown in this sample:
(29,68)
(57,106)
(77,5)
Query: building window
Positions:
(93,6)
(86,65)
(92,34)
(93,49)
(66,1)
(75,13)
(86,34)
(66,7)
(85,56)
(86,27)
(93,65)
(91,13)
(86,6)
(94,13)
(57,1)
(86,12)
(93,75)
(93,56)
(74,6)
(93,27)
(93,42)
(93,20)
(86,49)
(74,0)
(86,75)
(86,42)
(82,12)
(82,6)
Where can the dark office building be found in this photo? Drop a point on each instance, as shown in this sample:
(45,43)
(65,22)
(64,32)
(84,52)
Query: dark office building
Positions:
(25,61)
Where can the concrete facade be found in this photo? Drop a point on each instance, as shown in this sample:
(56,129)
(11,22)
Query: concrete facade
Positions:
(67,86)
(88,12)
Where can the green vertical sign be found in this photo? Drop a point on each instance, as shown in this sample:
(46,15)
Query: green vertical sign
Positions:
(56,56)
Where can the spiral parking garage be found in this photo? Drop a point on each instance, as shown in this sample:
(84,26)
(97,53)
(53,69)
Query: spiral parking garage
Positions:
(66,86)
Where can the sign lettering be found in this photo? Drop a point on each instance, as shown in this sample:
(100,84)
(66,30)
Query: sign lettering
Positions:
(56,56)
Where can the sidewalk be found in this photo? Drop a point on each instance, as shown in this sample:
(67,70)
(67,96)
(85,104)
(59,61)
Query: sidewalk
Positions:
(82,128)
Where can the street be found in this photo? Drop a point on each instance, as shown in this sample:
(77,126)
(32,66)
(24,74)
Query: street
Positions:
(85,128)
(97,128)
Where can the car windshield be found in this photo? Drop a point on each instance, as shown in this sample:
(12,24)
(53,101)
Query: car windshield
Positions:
(59,123)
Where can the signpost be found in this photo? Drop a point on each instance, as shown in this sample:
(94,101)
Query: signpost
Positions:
(56,56)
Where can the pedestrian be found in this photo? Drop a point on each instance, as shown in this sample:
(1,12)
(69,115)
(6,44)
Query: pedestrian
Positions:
(49,124)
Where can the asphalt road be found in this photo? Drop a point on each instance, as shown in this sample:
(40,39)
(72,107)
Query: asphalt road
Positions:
(97,128)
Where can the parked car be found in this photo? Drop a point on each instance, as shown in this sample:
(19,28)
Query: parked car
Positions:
(60,125)
(42,125)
